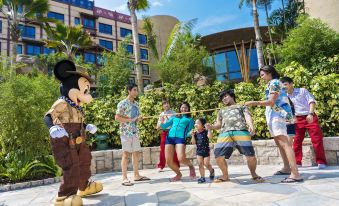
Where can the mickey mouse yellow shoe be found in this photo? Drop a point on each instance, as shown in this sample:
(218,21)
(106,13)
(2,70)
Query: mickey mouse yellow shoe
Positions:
(92,188)
(73,200)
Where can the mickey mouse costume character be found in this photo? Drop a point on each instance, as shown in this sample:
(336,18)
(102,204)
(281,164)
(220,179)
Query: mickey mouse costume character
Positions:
(65,121)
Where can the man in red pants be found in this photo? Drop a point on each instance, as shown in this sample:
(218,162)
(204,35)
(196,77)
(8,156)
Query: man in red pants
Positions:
(306,119)
(162,162)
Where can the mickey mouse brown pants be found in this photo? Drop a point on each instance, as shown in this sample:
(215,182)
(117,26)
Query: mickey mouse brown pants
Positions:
(75,161)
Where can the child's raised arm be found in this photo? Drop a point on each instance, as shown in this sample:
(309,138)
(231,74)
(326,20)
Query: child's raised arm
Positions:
(209,133)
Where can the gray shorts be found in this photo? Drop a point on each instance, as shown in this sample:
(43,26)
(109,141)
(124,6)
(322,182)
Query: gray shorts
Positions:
(130,144)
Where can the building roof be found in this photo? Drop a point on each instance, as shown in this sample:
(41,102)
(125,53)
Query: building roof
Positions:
(225,39)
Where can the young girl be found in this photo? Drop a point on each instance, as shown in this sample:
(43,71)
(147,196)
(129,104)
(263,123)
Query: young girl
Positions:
(200,138)
(176,140)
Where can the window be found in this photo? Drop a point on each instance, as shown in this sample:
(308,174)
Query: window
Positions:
(142,39)
(76,20)
(88,23)
(254,68)
(19,49)
(32,49)
(49,50)
(105,28)
(106,44)
(129,49)
(220,66)
(27,31)
(56,16)
(144,54)
(145,69)
(0,26)
(131,80)
(146,82)
(89,57)
(125,32)
(233,65)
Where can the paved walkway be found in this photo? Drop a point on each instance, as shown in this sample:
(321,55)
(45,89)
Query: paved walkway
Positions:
(321,187)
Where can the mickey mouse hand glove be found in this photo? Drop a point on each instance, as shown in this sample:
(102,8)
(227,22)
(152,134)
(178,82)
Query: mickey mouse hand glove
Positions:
(91,128)
(57,132)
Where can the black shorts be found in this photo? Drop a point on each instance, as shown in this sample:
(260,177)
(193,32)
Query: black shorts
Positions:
(290,130)
(203,153)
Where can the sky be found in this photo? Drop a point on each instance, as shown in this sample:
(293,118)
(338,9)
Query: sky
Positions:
(213,15)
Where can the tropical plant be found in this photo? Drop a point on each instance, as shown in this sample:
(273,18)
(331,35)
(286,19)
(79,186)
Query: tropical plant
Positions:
(67,39)
(151,36)
(46,62)
(133,6)
(19,10)
(16,168)
(258,38)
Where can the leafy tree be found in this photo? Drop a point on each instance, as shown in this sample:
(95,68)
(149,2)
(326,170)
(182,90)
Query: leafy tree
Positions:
(311,40)
(186,59)
(285,19)
(18,10)
(133,6)
(67,39)
(115,73)
(151,36)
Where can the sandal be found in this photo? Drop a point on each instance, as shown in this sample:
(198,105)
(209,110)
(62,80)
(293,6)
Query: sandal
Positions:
(282,173)
(127,183)
(291,180)
(220,180)
(142,178)
(258,179)
(212,174)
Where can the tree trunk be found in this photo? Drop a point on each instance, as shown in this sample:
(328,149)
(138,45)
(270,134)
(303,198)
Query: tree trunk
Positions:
(15,35)
(136,47)
(284,15)
(269,31)
(258,39)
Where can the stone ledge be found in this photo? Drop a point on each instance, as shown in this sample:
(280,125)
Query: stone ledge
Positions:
(22,185)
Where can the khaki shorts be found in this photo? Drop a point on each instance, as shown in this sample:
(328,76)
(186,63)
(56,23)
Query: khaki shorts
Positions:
(278,127)
(130,144)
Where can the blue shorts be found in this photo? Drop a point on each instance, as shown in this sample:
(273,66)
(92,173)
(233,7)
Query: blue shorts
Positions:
(175,140)
(291,130)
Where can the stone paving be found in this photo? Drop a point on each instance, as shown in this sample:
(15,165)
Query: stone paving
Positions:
(321,187)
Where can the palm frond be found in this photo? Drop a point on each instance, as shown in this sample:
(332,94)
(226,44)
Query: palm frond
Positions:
(179,29)
(151,36)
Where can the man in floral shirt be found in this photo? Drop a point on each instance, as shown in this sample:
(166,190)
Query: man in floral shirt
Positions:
(128,115)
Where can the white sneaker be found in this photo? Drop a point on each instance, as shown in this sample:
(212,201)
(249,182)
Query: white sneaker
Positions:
(322,166)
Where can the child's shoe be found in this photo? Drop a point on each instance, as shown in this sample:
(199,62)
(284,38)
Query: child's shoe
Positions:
(201,180)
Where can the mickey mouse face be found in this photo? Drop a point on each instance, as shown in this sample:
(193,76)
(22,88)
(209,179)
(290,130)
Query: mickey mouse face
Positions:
(82,94)
(75,83)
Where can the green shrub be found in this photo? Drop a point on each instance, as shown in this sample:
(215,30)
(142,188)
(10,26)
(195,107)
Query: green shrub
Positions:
(326,92)
(310,40)
(24,101)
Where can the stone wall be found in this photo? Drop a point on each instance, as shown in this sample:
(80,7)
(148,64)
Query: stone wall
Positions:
(267,153)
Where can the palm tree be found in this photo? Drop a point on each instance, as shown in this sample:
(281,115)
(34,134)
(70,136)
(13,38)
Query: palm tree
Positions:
(67,39)
(151,36)
(16,10)
(267,5)
(133,6)
(258,38)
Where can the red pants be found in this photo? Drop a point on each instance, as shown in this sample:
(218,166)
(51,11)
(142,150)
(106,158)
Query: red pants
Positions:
(162,161)
(316,135)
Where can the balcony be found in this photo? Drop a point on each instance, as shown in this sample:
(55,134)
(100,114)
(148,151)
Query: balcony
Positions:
(86,4)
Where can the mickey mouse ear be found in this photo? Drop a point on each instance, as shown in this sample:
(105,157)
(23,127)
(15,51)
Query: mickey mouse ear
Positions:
(62,69)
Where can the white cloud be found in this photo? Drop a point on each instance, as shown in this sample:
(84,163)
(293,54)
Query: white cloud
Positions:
(215,21)
(156,3)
